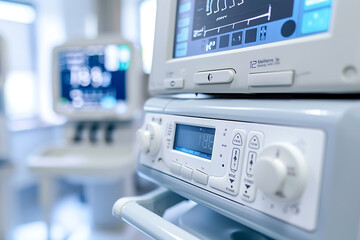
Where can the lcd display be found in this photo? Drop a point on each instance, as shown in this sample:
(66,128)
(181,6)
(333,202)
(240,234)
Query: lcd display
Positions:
(197,141)
(94,77)
(206,26)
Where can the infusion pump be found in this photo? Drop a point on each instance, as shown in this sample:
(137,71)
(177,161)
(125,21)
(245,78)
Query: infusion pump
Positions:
(261,165)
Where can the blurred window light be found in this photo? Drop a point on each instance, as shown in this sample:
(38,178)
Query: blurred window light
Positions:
(17,12)
(147,31)
(18,29)
(20,95)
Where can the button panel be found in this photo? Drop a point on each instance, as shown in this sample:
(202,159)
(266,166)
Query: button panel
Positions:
(214,77)
(231,181)
(254,145)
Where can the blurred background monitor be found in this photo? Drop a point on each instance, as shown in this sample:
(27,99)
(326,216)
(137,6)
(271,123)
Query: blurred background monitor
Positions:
(97,79)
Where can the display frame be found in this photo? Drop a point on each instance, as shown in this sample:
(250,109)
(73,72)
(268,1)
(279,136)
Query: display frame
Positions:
(134,76)
(200,154)
(310,60)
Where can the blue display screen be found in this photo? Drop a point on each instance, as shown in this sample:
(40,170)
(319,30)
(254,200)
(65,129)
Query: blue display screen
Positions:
(197,141)
(94,77)
(207,26)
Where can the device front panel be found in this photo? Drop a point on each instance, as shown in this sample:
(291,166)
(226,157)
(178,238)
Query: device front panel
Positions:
(276,170)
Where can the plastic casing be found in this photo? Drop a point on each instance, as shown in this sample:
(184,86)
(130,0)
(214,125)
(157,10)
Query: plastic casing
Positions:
(323,63)
(339,209)
(134,84)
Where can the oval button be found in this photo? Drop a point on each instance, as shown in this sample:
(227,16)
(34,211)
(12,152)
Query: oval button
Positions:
(214,77)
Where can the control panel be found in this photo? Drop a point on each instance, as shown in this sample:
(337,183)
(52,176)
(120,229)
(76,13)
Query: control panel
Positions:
(275,170)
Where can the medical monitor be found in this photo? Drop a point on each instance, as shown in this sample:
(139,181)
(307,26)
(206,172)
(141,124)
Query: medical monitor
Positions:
(265,46)
(97,79)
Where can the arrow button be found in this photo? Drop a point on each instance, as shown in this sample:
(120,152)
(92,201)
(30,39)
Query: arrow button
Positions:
(251,160)
(237,140)
(235,159)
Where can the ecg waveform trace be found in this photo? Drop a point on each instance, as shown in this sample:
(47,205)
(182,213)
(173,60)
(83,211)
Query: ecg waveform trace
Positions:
(209,6)
(214,17)
(247,21)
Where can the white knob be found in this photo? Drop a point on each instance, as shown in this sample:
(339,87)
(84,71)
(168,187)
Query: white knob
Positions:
(143,138)
(149,138)
(267,169)
(280,172)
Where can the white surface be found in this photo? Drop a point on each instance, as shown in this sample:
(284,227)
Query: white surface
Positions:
(257,137)
(85,161)
(284,78)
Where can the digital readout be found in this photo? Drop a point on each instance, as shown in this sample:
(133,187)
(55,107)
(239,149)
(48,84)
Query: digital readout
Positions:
(194,140)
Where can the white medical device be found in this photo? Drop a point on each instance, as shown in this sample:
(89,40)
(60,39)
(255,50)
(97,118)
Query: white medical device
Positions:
(285,168)
(97,79)
(243,46)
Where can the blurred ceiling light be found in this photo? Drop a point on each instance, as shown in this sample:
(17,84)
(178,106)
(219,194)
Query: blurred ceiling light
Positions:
(17,12)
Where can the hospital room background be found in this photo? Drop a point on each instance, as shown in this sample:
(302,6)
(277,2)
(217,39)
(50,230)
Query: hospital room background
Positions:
(35,199)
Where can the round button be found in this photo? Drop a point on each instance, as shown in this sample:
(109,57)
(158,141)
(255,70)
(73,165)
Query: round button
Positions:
(280,172)
(350,73)
(288,28)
